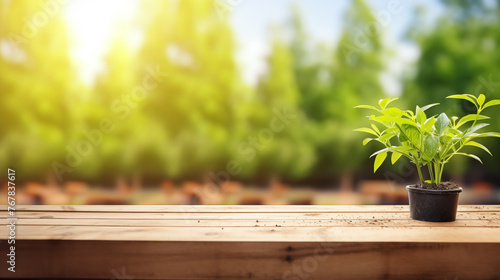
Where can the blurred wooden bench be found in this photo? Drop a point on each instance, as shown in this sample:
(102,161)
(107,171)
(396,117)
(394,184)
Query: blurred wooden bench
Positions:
(255,242)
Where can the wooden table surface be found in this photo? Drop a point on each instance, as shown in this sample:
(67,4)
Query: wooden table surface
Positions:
(255,242)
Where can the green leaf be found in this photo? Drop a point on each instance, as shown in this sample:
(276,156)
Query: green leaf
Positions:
(421,117)
(481,99)
(454,131)
(386,137)
(409,114)
(474,129)
(367,130)
(469,155)
(379,159)
(395,156)
(401,149)
(444,139)
(413,135)
(485,134)
(384,120)
(429,106)
(428,124)
(462,96)
(376,129)
(441,123)
(384,102)
(469,118)
(366,107)
(431,145)
(491,103)
(480,146)
(404,121)
(392,130)
(392,112)
(367,140)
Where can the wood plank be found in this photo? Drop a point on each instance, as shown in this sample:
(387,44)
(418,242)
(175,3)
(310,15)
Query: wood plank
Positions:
(236,216)
(255,260)
(264,234)
(252,223)
(238,208)
(287,242)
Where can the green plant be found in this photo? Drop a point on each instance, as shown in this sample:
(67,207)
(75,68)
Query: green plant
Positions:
(430,142)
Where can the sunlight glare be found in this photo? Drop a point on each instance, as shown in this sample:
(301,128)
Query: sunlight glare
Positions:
(92,25)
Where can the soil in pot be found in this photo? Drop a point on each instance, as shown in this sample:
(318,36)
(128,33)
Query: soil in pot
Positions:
(448,185)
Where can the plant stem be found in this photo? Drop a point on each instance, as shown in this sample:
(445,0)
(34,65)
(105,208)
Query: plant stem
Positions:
(431,173)
(441,172)
(436,168)
(420,172)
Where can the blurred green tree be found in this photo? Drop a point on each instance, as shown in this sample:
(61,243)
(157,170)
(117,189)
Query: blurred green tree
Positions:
(201,103)
(335,81)
(286,150)
(39,88)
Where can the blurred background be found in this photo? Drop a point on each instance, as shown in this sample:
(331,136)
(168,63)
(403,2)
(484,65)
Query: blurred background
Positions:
(233,101)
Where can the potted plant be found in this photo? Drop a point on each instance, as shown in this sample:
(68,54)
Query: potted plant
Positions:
(428,142)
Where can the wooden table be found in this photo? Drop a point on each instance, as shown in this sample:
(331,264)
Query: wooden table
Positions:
(255,242)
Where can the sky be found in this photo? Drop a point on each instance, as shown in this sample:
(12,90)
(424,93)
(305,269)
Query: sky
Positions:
(251,21)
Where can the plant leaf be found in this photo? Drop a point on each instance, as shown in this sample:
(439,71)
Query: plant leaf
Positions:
(366,107)
(469,155)
(462,96)
(455,131)
(486,134)
(429,106)
(469,118)
(429,123)
(444,139)
(379,159)
(400,149)
(367,130)
(441,123)
(481,99)
(384,102)
(491,103)
(480,146)
(413,135)
(421,117)
(475,128)
(395,156)
(404,121)
(431,145)
(376,129)
(383,120)
(367,140)
(392,112)
(386,137)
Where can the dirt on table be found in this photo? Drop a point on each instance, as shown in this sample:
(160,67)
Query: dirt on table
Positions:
(448,185)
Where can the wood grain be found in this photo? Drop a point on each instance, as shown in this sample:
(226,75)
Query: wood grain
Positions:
(255,242)
(238,208)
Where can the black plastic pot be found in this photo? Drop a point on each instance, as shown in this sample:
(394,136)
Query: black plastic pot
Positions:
(433,205)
